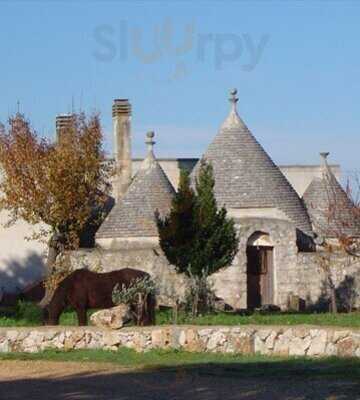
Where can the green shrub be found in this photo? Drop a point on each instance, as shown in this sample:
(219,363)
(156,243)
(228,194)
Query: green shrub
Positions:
(29,312)
(130,294)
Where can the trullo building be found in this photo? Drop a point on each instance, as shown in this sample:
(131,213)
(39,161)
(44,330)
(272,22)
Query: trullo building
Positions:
(278,210)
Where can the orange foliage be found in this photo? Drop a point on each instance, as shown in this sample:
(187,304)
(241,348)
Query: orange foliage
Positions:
(59,184)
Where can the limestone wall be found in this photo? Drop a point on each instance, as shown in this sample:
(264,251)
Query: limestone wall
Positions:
(170,284)
(269,340)
(312,279)
(230,283)
(21,260)
(294,273)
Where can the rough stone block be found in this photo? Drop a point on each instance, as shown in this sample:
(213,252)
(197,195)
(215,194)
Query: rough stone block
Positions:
(112,318)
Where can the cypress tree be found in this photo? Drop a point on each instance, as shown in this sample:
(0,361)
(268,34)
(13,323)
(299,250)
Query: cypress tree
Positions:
(216,240)
(196,236)
(177,230)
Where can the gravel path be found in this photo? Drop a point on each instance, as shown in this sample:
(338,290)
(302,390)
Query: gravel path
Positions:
(36,380)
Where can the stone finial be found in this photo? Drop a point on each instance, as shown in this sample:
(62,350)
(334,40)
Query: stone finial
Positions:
(232,120)
(324,164)
(150,141)
(150,157)
(324,155)
(233,99)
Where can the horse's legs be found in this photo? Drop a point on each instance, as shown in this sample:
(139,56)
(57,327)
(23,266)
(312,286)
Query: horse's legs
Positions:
(45,316)
(81,314)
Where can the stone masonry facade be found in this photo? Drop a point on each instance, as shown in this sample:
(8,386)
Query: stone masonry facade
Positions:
(311,279)
(295,273)
(230,283)
(170,284)
(246,340)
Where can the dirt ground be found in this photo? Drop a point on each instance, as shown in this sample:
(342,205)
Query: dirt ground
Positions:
(35,380)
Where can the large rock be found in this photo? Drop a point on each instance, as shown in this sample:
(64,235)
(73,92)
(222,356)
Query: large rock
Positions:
(112,318)
(318,342)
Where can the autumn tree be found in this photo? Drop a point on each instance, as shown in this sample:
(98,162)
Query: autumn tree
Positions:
(58,184)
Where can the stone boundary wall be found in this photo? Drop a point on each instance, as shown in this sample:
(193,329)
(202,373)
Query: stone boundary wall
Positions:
(302,340)
(311,279)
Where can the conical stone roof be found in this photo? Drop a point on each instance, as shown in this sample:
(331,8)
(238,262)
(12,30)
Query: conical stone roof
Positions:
(246,177)
(134,214)
(329,207)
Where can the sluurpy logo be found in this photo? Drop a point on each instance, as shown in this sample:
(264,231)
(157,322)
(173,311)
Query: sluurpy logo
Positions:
(160,43)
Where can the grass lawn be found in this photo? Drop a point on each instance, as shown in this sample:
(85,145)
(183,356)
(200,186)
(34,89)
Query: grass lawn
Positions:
(222,318)
(237,365)
(27,314)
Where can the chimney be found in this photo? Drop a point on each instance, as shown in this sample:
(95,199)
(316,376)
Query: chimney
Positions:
(62,122)
(121,114)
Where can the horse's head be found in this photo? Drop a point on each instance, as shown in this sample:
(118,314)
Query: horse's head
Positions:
(55,307)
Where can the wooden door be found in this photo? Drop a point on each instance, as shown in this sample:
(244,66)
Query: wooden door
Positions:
(267,276)
(259,276)
(253,277)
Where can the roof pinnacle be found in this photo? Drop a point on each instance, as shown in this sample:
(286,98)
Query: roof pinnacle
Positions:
(324,164)
(150,157)
(324,156)
(232,120)
(233,99)
(150,141)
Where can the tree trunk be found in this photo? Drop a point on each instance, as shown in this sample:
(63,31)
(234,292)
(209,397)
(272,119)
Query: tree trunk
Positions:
(195,305)
(175,312)
(53,252)
(333,303)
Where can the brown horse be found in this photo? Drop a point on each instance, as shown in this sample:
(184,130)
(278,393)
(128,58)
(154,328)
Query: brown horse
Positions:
(32,293)
(84,289)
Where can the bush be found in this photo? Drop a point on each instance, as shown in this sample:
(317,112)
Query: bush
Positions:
(130,294)
(29,312)
(199,297)
(135,296)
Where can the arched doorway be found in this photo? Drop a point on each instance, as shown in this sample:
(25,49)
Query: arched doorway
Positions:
(260,270)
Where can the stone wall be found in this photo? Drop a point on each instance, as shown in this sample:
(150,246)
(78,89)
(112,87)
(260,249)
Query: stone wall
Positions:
(294,273)
(231,283)
(267,340)
(170,284)
(312,279)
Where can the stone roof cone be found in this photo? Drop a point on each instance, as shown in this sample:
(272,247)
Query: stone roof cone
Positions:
(246,177)
(150,190)
(329,206)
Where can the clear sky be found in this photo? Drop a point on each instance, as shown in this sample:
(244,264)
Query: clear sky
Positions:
(296,65)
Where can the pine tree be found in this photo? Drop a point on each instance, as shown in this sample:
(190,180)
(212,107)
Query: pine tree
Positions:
(216,241)
(196,236)
(177,230)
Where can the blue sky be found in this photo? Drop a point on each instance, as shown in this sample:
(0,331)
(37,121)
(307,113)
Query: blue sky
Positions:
(296,66)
